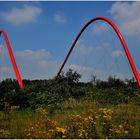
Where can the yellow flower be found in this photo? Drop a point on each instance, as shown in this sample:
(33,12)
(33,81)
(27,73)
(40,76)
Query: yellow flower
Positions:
(4,133)
(61,130)
(42,111)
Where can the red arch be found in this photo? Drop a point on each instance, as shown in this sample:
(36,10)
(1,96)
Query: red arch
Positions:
(15,67)
(132,65)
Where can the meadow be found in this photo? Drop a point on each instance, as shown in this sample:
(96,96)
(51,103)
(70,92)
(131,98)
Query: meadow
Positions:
(66,108)
(73,120)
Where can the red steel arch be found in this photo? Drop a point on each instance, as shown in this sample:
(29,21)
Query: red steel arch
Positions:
(130,60)
(15,67)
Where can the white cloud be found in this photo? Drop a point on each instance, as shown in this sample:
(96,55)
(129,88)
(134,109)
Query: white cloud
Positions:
(82,50)
(127,14)
(98,29)
(36,64)
(22,15)
(59,17)
(33,55)
(117,53)
(96,60)
(39,64)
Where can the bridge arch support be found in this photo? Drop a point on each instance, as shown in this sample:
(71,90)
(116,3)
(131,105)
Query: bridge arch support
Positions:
(15,67)
(124,45)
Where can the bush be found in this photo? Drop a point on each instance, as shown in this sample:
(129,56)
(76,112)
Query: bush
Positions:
(43,99)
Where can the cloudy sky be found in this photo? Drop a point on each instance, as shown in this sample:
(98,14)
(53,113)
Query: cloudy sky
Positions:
(41,34)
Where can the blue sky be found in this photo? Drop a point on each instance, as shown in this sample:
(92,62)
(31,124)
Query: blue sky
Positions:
(42,32)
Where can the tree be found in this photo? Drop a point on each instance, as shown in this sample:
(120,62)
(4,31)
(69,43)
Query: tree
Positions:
(72,76)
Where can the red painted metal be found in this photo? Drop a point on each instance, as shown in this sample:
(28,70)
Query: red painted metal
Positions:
(17,73)
(132,65)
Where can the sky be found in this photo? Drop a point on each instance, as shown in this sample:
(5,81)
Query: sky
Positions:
(41,34)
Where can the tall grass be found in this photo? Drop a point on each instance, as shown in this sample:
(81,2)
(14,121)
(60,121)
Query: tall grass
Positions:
(16,123)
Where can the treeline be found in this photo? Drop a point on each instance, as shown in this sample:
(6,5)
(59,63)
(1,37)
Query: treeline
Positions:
(53,92)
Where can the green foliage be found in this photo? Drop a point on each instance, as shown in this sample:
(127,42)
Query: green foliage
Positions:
(109,96)
(66,85)
(65,95)
(43,99)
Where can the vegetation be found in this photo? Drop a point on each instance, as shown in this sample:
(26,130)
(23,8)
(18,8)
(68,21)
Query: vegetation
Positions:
(63,107)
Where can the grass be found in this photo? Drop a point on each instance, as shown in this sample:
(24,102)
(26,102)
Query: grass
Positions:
(16,121)
(129,112)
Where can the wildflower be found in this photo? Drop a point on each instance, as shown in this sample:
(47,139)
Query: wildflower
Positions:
(82,133)
(4,133)
(60,130)
(42,111)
